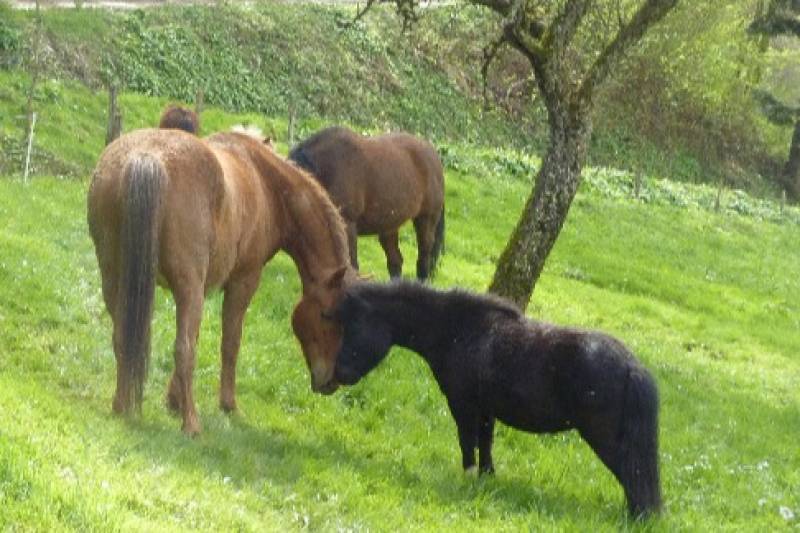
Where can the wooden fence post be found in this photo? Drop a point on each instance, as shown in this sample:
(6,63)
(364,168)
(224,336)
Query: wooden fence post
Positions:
(114,116)
(198,102)
(30,146)
(290,133)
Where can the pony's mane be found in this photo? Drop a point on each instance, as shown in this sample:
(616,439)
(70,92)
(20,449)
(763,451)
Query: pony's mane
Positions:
(462,302)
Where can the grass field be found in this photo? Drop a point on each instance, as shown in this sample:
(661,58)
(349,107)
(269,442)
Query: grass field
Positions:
(709,303)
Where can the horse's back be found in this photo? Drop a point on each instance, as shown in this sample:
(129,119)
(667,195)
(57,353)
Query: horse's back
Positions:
(546,378)
(203,203)
(378,182)
(426,167)
(188,164)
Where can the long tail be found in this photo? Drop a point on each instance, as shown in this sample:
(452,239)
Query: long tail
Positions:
(144,176)
(438,243)
(639,469)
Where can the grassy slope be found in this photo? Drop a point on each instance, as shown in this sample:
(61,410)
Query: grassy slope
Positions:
(708,303)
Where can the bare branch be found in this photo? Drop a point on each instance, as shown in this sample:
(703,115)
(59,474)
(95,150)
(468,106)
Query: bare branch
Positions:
(776,25)
(524,34)
(648,14)
(359,15)
(489,53)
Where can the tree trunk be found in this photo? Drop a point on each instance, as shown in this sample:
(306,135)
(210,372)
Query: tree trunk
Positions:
(546,210)
(791,172)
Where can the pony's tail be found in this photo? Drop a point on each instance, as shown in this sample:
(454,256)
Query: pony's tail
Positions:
(143,179)
(438,243)
(639,450)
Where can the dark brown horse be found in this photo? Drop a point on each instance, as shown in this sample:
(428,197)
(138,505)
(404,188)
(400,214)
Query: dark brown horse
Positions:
(196,214)
(378,183)
(179,118)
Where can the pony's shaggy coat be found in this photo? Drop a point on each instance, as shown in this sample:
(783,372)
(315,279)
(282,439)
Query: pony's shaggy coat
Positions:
(493,363)
(379,183)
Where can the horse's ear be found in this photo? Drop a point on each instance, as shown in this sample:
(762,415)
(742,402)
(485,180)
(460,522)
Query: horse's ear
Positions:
(335,281)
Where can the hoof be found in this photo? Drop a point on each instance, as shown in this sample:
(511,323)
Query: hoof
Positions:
(471,471)
(172,403)
(228,406)
(119,407)
(191,428)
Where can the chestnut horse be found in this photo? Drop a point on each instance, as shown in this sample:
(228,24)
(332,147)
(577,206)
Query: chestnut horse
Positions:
(195,214)
(179,118)
(378,183)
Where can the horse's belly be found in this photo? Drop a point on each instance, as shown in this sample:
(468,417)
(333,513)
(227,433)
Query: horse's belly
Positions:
(537,413)
(379,219)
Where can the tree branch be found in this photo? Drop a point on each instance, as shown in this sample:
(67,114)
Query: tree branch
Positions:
(777,25)
(776,112)
(359,15)
(489,53)
(647,15)
(503,7)
(780,19)
(524,34)
(563,28)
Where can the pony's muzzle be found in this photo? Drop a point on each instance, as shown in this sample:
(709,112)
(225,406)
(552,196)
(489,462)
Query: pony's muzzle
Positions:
(326,388)
(344,376)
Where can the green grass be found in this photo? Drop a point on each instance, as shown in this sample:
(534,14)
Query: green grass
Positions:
(708,302)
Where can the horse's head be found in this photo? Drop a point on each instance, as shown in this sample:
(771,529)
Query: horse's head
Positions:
(366,339)
(179,118)
(319,334)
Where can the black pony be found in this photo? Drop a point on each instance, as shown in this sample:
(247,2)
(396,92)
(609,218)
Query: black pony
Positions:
(493,363)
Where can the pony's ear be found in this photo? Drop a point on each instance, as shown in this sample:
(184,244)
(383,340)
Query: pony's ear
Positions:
(351,306)
(335,280)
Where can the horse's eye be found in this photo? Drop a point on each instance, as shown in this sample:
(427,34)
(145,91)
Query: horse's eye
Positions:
(327,315)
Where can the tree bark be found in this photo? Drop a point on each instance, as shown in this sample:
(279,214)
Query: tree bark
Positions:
(544,214)
(791,172)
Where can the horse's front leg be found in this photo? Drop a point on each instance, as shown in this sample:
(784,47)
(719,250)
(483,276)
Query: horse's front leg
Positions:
(466,419)
(391,246)
(189,305)
(352,243)
(485,436)
(238,295)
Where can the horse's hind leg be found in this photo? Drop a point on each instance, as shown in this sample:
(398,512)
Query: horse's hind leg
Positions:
(425,227)
(601,437)
(237,298)
(394,259)
(189,306)
(108,266)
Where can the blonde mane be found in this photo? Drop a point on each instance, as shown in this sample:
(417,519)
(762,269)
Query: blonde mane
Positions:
(250,130)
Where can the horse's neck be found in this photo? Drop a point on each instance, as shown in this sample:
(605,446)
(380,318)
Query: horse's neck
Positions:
(313,235)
